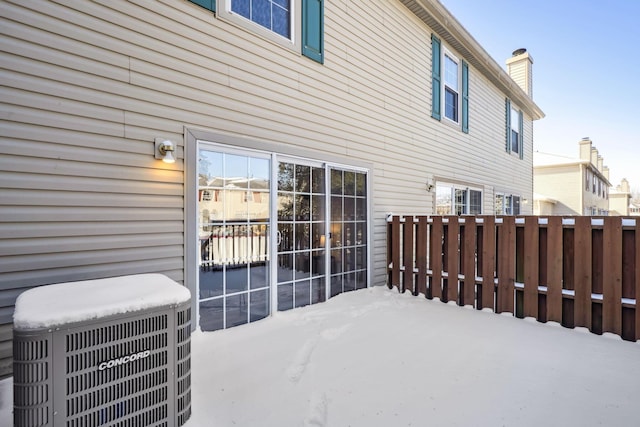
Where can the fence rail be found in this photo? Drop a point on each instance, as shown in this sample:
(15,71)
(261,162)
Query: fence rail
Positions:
(577,271)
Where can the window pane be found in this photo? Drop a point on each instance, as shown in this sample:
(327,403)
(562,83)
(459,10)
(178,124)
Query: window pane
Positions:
(515,141)
(516,205)
(273,15)
(443,199)
(451,72)
(211,315)
(259,308)
(475,202)
(461,202)
(236,310)
(451,104)
(499,204)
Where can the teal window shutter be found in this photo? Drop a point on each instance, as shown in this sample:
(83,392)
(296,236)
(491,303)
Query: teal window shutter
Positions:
(465,97)
(207,4)
(436,78)
(507,109)
(313,29)
(521,135)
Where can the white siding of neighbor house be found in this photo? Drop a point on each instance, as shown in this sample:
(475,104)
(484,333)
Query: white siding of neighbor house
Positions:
(563,183)
(86,87)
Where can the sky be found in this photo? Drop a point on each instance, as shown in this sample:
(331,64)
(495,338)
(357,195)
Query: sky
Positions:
(586,55)
(378,358)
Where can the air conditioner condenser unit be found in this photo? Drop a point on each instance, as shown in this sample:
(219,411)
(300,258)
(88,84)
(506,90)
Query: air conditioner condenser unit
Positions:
(107,352)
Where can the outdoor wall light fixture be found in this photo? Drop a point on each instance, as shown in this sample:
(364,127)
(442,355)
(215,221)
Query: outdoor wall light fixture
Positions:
(429,182)
(164,150)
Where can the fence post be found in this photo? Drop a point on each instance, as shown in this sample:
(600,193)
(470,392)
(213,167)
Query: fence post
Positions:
(612,276)
(531,265)
(506,264)
(554,269)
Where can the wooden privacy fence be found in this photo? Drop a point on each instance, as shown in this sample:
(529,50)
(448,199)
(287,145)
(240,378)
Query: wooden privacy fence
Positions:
(578,271)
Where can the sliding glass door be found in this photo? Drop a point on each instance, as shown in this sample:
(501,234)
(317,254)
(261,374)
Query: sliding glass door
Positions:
(233,207)
(311,215)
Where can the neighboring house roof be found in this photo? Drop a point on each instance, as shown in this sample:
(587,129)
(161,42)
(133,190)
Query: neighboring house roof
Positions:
(447,27)
(543,198)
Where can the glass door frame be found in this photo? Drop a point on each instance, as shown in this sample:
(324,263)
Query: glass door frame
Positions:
(194,140)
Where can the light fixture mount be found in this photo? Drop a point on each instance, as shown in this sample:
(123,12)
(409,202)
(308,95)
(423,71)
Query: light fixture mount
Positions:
(165,150)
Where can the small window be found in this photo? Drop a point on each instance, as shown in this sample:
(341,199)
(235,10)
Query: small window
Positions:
(272,15)
(507,204)
(457,200)
(294,24)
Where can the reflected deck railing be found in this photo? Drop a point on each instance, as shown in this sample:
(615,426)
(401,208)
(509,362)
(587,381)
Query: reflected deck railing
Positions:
(233,245)
(577,271)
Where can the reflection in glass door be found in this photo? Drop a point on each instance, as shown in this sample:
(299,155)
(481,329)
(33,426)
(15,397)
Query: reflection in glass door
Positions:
(301,235)
(233,210)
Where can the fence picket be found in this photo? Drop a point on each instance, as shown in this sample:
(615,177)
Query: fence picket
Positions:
(488,262)
(436,258)
(506,265)
(421,254)
(408,255)
(453,231)
(395,253)
(554,269)
(582,281)
(531,265)
(612,276)
(468,261)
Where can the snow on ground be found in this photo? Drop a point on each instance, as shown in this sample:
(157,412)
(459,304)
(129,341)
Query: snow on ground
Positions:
(378,358)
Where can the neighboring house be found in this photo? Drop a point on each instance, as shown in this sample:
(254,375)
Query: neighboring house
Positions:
(571,186)
(296,129)
(634,209)
(620,199)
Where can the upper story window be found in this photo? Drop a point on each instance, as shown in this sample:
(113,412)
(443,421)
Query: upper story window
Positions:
(516,120)
(274,15)
(449,85)
(514,130)
(457,200)
(295,24)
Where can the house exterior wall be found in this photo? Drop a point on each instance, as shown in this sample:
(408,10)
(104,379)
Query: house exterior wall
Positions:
(562,183)
(87,87)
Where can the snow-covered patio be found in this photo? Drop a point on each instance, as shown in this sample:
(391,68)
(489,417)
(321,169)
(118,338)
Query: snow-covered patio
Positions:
(378,358)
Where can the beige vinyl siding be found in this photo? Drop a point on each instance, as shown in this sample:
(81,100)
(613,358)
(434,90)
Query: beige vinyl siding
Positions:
(87,87)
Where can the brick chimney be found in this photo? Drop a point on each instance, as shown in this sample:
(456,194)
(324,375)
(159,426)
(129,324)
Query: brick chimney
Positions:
(519,68)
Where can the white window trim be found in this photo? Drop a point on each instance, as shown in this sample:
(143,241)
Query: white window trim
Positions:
(294,43)
(446,52)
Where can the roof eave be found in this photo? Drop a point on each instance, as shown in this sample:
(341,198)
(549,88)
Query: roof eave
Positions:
(447,27)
